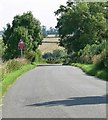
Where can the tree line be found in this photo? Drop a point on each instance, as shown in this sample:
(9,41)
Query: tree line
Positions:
(50,31)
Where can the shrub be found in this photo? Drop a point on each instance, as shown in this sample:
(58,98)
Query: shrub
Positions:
(85,59)
(58,56)
(30,55)
(59,53)
(34,56)
(100,60)
(38,56)
(96,58)
(92,53)
(47,55)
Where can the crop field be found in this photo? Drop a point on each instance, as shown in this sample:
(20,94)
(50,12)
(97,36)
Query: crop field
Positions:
(49,47)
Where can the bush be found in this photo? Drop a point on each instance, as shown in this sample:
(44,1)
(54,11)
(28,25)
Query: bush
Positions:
(30,55)
(57,56)
(67,61)
(38,56)
(85,59)
(100,60)
(91,53)
(59,53)
(34,56)
(47,55)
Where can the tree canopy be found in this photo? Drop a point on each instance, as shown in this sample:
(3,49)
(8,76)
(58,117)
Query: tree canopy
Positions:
(24,27)
(80,23)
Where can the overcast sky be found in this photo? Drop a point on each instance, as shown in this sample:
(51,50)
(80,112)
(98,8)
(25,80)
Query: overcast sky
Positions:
(41,9)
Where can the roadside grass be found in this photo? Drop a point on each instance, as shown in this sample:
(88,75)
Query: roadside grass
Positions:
(10,78)
(91,69)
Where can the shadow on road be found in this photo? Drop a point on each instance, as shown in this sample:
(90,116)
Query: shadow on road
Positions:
(75,101)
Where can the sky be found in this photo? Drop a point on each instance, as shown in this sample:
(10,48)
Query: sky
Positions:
(43,10)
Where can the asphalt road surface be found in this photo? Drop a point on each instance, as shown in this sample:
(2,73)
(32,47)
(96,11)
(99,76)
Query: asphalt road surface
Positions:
(55,91)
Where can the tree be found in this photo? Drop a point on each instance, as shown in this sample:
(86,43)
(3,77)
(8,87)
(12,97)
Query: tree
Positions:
(47,55)
(80,24)
(52,30)
(44,31)
(24,27)
(59,53)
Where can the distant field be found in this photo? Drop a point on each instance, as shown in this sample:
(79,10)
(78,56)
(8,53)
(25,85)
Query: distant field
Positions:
(49,47)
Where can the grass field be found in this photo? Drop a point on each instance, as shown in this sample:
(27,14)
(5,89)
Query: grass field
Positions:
(49,47)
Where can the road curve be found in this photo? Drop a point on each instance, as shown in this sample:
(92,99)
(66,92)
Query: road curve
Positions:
(55,91)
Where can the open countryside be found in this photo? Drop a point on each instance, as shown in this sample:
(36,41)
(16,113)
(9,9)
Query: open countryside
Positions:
(55,72)
(49,45)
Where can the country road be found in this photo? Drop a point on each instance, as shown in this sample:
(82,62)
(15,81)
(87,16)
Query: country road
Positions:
(55,91)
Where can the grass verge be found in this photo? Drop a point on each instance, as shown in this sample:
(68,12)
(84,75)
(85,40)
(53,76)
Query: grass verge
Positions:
(91,69)
(9,78)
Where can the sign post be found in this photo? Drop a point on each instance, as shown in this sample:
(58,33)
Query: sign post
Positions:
(21,46)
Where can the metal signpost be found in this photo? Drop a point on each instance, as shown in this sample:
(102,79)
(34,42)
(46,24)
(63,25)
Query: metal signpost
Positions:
(21,46)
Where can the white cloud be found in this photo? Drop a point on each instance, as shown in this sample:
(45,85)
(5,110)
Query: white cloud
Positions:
(41,9)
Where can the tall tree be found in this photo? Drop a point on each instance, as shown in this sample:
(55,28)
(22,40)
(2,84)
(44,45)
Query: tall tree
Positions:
(79,24)
(24,27)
